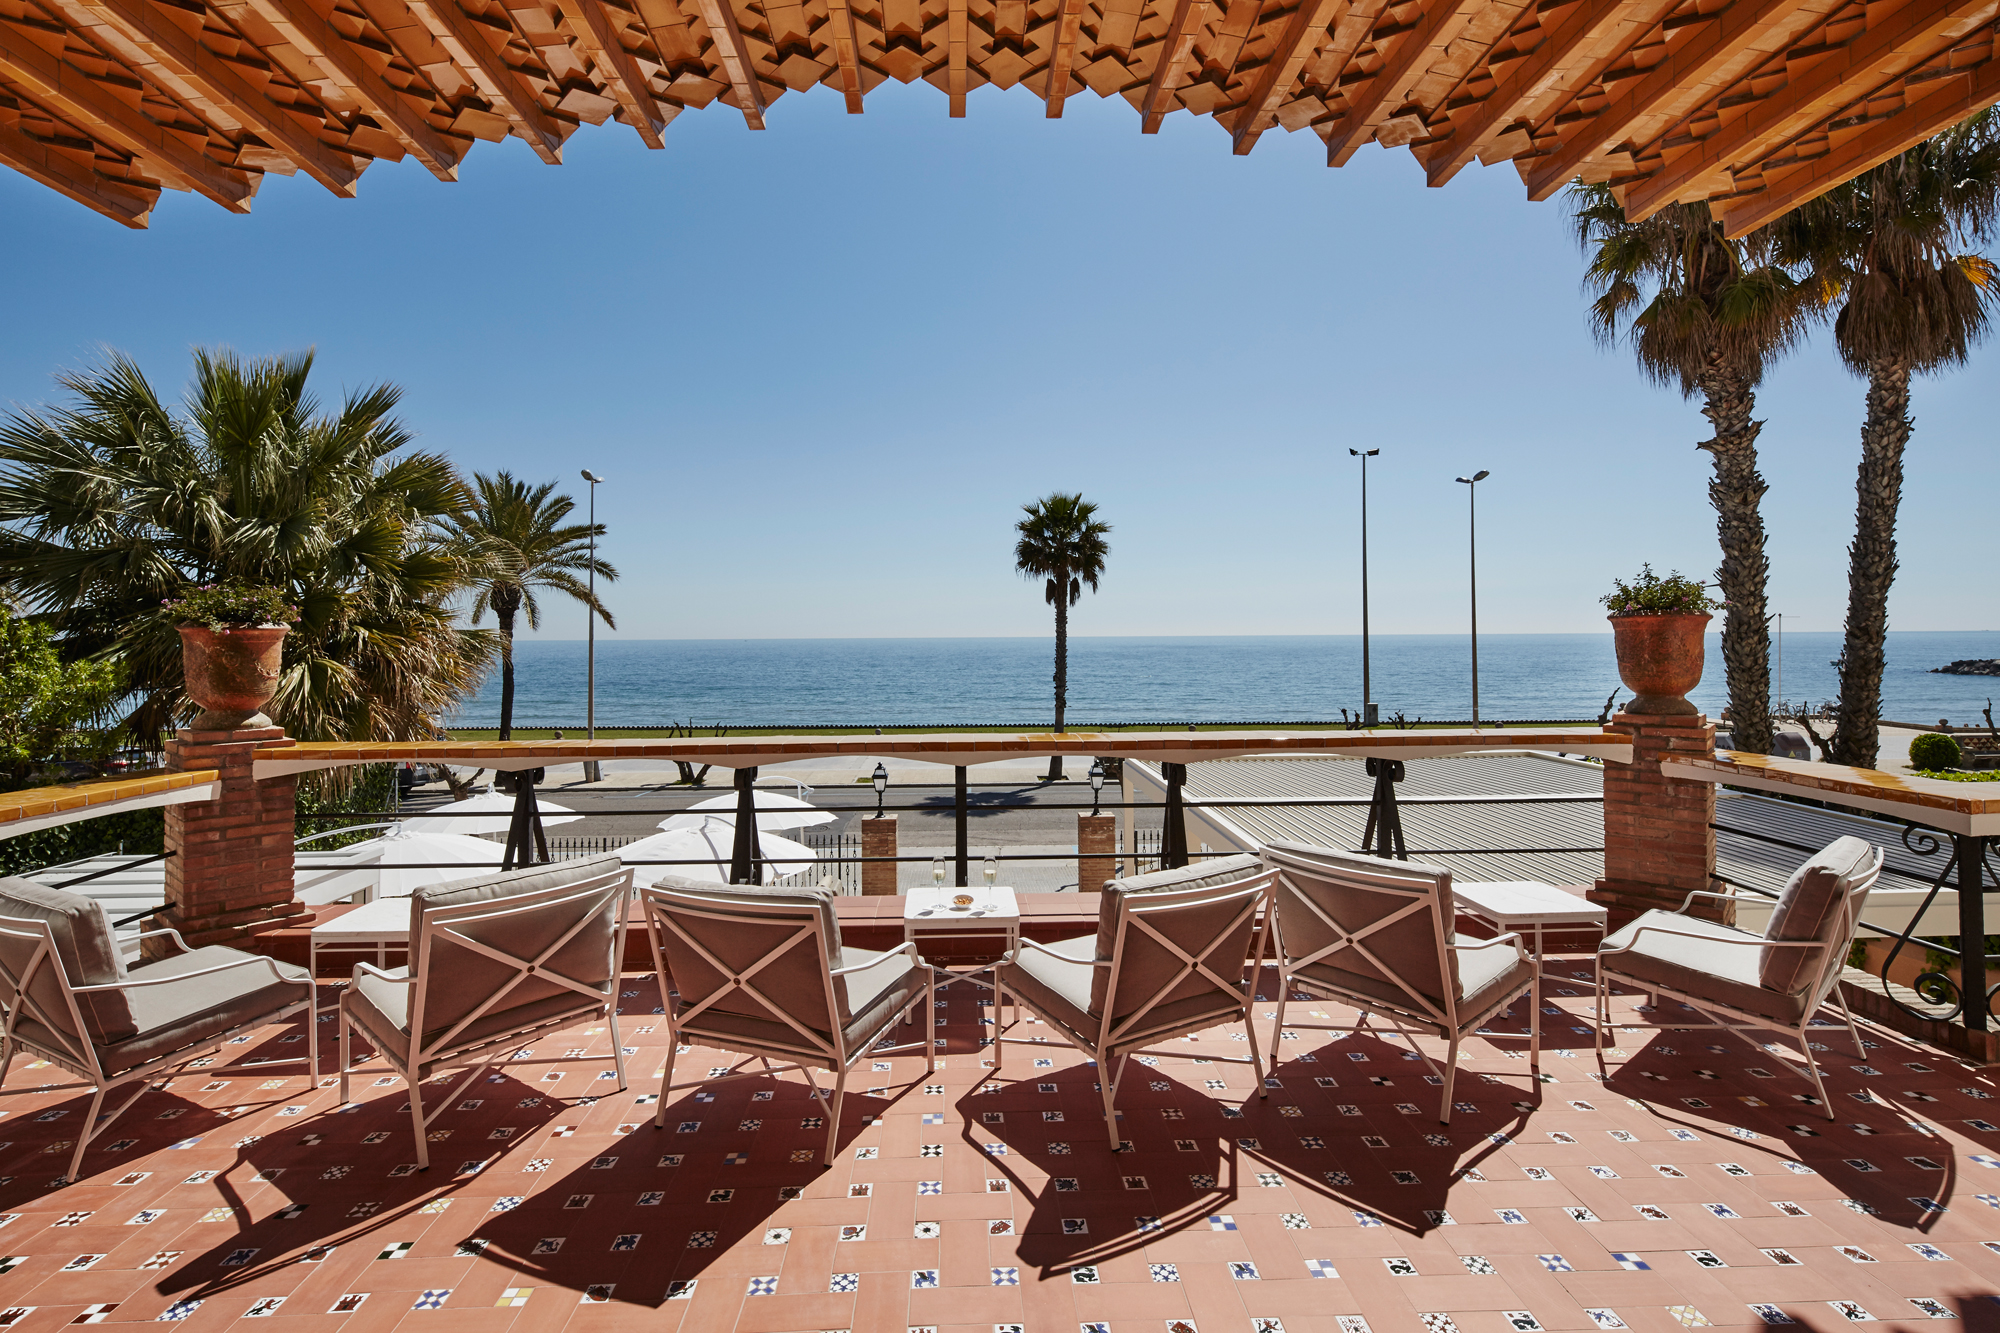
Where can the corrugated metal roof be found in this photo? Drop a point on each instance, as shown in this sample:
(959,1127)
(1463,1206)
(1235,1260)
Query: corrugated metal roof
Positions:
(1470,839)
(1499,841)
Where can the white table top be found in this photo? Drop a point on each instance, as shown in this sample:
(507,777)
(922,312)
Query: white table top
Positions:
(1525,902)
(930,905)
(384,919)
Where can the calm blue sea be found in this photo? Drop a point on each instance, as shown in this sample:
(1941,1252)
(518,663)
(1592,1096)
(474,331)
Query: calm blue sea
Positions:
(744,682)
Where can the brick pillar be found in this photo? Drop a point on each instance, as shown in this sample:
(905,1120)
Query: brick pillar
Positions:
(878,838)
(230,875)
(1658,846)
(1096,851)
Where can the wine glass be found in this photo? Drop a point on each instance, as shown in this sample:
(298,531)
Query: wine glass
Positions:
(992,872)
(937,872)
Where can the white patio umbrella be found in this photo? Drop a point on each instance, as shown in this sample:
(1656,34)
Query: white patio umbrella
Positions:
(497,805)
(713,846)
(785,812)
(388,865)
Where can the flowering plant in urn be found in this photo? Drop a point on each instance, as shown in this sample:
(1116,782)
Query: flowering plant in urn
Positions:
(1657,626)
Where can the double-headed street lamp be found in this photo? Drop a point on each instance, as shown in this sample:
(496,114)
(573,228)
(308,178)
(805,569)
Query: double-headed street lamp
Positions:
(592,771)
(1367,696)
(1472,545)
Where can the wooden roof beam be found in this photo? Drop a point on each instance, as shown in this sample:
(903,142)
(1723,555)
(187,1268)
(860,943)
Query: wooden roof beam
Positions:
(737,66)
(1878,56)
(61,172)
(1581,28)
(621,74)
(1295,46)
(1705,52)
(1374,100)
(957,40)
(846,52)
(190,70)
(117,122)
(299,24)
(1958,96)
(1069,18)
(490,72)
(1189,16)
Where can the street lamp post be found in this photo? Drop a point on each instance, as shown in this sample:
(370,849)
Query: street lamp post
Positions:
(1472,546)
(1367,694)
(592,771)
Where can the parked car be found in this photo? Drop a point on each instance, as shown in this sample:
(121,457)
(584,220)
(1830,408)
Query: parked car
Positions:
(124,762)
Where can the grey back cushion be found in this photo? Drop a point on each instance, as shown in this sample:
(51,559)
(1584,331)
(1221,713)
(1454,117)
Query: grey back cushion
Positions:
(458,980)
(1809,908)
(1357,891)
(89,955)
(1200,875)
(754,921)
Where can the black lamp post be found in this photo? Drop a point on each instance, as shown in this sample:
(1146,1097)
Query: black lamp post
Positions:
(1367,697)
(1096,784)
(1472,545)
(881,786)
(592,770)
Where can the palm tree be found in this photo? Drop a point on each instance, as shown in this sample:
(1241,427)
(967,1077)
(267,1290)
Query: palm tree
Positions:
(115,503)
(1892,250)
(1062,543)
(1704,314)
(513,543)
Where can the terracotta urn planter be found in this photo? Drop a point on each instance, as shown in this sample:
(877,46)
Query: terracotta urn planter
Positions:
(1659,659)
(232,673)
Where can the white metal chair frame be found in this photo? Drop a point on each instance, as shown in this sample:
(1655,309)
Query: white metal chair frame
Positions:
(1421,1015)
(482,1054)
(82,1057)
(829,1049)
(1741,1021)
(1116,1040)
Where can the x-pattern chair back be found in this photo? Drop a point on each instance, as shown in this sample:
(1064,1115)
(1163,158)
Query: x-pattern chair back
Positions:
(789,929)
(24,992)
(568,910)
(1378,905)
(1226,939)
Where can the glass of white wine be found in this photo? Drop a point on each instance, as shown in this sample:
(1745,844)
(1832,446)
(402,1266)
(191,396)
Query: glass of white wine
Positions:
(937,872)
(992,872)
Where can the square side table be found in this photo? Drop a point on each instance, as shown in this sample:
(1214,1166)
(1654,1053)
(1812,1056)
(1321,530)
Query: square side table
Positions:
(1523,904)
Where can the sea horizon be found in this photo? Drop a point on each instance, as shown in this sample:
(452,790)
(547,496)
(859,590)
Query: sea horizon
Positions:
(1170,679)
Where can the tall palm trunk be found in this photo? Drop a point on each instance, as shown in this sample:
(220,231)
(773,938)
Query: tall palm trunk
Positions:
(1062,666)
(505,615)
(1736,492)
(1871,561)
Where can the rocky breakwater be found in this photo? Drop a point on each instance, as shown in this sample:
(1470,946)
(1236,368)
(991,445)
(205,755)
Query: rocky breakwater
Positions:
(1970,666)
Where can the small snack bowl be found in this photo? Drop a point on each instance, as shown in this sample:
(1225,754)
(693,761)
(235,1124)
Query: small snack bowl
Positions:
(961,902)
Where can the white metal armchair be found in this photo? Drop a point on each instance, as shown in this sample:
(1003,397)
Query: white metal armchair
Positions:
(69,998)
(1174,953)
(761,971)
(1742,982)
(1377,935)
(493,962)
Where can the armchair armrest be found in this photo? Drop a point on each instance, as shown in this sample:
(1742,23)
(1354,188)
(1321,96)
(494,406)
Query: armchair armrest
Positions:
(253,960)
(1710,893)
(1743,940)
(380,975)
(149,934)
(907,946)
(1043,948)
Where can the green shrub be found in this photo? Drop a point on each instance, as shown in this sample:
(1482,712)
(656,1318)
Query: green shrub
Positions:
(1935,750)
(1651,595)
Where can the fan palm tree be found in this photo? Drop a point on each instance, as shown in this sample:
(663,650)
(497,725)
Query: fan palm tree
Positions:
(1706,315)
(512,542)
(1892,255)
(115,503)
(1062,543)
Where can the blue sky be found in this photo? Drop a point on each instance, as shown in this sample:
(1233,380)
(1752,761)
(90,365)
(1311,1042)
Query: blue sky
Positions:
(823,366)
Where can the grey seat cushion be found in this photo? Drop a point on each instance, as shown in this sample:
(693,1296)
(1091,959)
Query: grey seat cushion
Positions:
(1721,963)
(1809,908)
(89,954)
(181,1013)
(1058,988)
